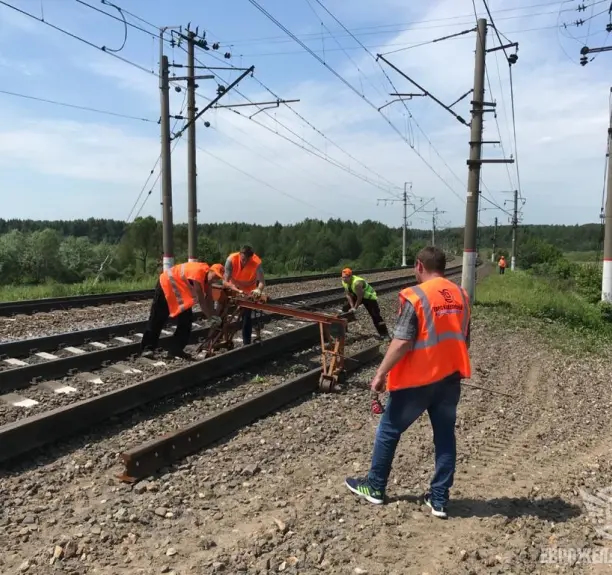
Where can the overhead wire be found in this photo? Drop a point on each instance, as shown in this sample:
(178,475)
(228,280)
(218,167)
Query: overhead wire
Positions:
(353,89)
(77,107)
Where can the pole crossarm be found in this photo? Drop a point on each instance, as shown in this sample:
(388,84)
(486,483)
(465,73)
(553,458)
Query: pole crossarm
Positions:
(425,92)
(214,101)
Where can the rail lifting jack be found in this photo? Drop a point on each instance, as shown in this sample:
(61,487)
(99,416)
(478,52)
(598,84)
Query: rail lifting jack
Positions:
(332,330)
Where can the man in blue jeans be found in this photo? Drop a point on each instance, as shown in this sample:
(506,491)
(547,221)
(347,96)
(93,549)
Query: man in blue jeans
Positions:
(422,370)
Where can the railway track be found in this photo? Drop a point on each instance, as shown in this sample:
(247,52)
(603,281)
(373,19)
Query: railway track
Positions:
(131,383)
(63,303)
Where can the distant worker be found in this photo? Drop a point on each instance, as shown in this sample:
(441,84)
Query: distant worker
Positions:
(359,291)
(502,265)
(422,371)
(243,272)
(178,289)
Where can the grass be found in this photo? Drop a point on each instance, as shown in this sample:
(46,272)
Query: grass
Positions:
(582,257)
(562,316)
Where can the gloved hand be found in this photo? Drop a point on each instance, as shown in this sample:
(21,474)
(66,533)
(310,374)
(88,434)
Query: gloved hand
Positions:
(216,321)
(256,292)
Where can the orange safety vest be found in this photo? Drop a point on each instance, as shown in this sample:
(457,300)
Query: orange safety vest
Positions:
(175,284)
(440,348)
(245,278)
(502,263)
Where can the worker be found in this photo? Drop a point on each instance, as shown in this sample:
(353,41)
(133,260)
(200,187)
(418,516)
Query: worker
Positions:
(359,291)
(422,371)
(244,273)
(178,289)
(502,265)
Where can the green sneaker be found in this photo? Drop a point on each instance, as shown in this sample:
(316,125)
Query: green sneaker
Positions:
(362,488)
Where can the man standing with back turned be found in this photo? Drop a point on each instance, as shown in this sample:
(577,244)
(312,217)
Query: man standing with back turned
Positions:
(243,271)
(422,371)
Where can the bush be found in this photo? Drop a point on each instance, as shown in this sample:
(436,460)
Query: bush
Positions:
(537,252)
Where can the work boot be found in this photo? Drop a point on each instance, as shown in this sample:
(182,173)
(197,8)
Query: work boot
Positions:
(148,354)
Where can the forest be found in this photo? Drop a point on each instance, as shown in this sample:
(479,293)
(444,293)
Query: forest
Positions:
(37,252)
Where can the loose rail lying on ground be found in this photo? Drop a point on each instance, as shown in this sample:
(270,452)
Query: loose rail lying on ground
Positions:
(33,432)
(144,460)
(48,304)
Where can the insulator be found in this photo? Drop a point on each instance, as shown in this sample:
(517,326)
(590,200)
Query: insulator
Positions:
(177,88)
(216,46)
(609,27)
(207,124)
(227,55)
(220,89)
(512,59)
(584,60)
(584,50)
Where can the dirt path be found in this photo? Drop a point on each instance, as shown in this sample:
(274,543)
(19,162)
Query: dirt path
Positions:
(271,499)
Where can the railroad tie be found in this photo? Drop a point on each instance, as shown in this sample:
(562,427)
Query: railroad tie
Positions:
(16,400)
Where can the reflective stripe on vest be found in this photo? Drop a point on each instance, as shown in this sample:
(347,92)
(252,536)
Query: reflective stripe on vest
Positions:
(440,346)
(368,290)
(175,283)
(175,288)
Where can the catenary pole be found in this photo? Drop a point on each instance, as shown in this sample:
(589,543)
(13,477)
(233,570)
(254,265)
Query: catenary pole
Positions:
(166,164)
(468,279)
(606,283)
(192,191)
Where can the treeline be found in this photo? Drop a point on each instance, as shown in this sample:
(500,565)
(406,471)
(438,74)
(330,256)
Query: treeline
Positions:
(33,252)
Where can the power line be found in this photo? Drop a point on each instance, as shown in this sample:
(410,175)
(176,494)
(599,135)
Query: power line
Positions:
(77,107)
(76,37)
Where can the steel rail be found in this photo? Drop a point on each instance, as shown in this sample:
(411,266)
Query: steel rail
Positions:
(70,302)
(144,460)
(36,431)
(22,377)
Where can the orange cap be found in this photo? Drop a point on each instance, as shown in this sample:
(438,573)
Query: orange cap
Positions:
(347,272)
(218,270)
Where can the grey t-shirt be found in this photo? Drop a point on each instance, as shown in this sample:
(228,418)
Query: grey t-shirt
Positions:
(229,267)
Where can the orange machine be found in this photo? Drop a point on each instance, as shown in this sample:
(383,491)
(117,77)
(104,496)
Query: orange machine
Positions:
(332,330)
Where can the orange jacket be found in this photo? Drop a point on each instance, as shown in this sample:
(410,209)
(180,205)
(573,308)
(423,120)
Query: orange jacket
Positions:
(440,347)
(502,262)
(176,287)
(244,278)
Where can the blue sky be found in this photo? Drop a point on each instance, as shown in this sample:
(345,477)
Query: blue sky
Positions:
(62,163)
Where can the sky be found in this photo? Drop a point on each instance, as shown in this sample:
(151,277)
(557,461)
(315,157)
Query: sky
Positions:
(333,154)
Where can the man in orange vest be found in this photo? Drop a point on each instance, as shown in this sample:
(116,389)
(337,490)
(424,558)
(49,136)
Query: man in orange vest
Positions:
(502,265)
(422,371)
(244,273)
(178,289)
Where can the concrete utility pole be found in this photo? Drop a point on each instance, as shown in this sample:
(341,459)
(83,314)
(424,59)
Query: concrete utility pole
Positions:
(479,107)
(494,241)
(514,226)
(606,282)
(166,164)
(404,200)
(468,275)
(192,188)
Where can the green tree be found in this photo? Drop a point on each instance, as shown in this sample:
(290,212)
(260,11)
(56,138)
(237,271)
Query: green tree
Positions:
(144,237)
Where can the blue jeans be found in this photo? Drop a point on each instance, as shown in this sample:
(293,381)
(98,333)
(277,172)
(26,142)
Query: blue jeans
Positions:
(404,407)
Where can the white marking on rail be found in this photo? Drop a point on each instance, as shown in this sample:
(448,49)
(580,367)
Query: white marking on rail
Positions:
(45,355)
(14,361)
(89,377)
(123,340)
(18,400)
(125,369)
(140,335)
(166,332)
(98,344)
(75,350)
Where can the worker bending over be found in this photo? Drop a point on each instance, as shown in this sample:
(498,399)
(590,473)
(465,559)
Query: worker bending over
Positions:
(422,371)
(502,265)
(243,272)
(178,289)
(359,291)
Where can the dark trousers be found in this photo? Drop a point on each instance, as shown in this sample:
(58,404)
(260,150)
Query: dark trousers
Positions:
(157,320)
(404,407)
(247,325)
(374,310)
(502,270)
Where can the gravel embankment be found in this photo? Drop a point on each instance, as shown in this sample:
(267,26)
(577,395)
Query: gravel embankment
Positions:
(49,323)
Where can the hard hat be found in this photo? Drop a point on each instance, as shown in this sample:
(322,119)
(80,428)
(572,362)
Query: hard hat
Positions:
(218,270)
(346,272)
